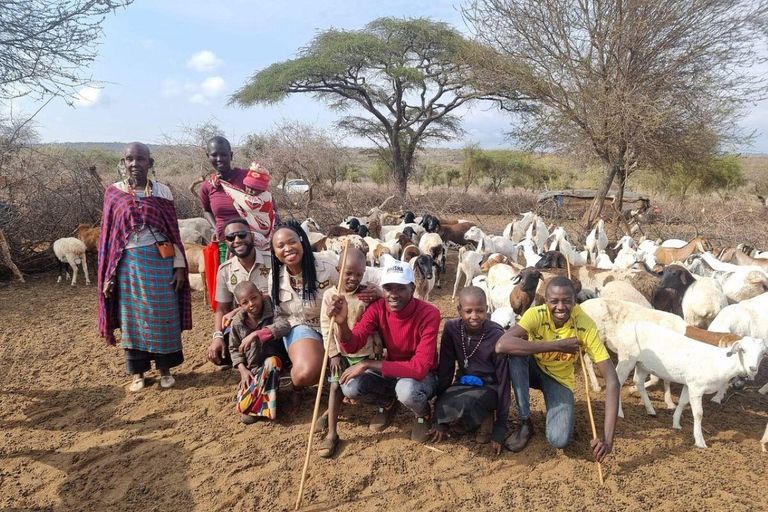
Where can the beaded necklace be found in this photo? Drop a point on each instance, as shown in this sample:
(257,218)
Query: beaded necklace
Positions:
(465,347)
(147,193)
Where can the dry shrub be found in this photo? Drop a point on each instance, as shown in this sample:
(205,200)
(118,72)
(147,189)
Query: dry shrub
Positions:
(46,195)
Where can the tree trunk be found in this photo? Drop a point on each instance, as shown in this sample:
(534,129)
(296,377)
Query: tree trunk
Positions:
(5,257)
(596,208)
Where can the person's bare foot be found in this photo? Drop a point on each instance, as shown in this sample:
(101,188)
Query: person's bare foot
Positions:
(294,402)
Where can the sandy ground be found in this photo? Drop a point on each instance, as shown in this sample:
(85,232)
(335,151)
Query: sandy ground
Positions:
(72,438)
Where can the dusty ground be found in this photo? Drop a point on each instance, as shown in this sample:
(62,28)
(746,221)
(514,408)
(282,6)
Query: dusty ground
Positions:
(74,439)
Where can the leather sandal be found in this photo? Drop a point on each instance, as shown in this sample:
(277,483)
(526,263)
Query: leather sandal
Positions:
(327,448)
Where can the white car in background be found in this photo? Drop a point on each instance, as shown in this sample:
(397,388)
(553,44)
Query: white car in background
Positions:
(297,186)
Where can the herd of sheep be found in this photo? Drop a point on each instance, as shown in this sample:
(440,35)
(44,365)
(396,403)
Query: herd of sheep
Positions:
(677,311)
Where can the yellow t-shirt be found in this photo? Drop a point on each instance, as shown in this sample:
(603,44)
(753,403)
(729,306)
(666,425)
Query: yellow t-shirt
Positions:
(538,323)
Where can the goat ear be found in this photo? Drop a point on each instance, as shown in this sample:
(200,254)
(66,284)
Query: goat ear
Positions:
(736,347)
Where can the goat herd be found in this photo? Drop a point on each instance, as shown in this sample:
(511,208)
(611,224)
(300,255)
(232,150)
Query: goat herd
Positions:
(674,310)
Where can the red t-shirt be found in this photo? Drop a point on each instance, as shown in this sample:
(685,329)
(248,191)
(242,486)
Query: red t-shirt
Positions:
(410,337)
(216,201)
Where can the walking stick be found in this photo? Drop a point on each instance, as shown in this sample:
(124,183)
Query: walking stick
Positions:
(586,385)
(320,387)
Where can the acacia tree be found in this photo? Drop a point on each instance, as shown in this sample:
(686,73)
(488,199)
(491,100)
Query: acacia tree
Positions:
(408,75)
(45,45)
(636,83)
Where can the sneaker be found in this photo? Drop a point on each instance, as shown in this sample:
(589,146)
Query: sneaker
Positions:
(167,381)
(519,438)
(137,384)
(383,417)
(420,432)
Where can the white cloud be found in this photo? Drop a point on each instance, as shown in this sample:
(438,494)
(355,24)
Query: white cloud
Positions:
(87,97)
(170,87)
(205,60)
(198,98)
(212,85)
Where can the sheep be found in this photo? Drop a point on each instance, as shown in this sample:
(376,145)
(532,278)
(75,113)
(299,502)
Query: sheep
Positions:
(666,255)
(500,285)
(747,318)
(454,233)
(337,244)
(490,260)
(432,244)
(702,302)
(675,280)
(431,223)
(409,252)
(469,265)
(621,290)
(387,230)
(337,231)
(504,316)
(423,276)
(702,369)
(738,285)
(515,231)
(200,225)
(490,244)
(190,236)
(70,251)
(522,296)
(552,259)
(90,236)
(594,279)
(610,314)
(481,282)
(394,247)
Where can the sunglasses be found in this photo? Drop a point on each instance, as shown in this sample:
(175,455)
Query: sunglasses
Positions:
(237,234)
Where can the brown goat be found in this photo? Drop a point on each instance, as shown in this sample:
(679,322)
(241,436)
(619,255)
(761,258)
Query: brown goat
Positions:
(493,260)
(666,255)
(455,232)
(523,295)
(196,265)
(737,257)
(89,236)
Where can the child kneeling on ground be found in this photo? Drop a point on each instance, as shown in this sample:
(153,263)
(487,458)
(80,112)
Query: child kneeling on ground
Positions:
(255,351)
(480,389)
(338,359)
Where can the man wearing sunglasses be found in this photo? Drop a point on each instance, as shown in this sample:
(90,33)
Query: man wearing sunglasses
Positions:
(247,265)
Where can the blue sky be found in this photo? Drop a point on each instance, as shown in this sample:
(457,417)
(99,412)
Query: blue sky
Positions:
(165,64)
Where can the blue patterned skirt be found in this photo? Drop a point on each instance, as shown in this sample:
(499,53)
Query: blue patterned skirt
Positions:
(148,304)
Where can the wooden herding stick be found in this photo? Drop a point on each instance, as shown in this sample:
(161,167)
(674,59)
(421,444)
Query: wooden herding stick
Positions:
(586,384)
(320,385)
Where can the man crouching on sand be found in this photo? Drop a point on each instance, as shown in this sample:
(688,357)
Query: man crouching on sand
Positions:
(542,350)
(408,328)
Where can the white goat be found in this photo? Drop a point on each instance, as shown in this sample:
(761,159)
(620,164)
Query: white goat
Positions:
(469,265)
(538,233)
(531,257)
(561,243)
(489,244)
(597,240)
(699,367)
(72,251)
(515,231)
